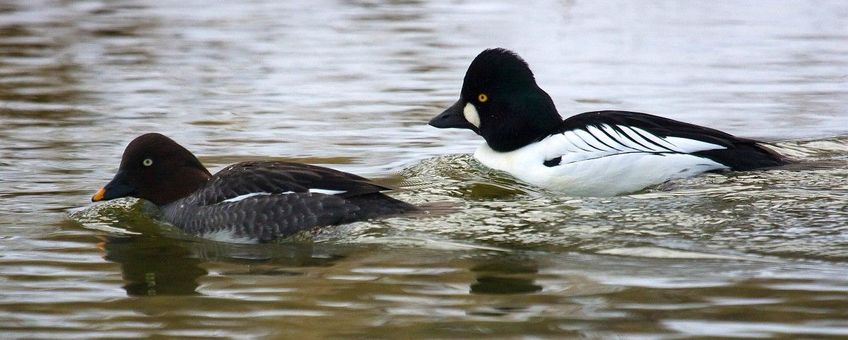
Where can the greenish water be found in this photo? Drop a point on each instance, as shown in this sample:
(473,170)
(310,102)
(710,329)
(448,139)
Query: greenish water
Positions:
(350,85)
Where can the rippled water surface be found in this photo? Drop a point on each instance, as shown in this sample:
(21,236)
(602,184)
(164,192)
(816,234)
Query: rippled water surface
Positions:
(351,84)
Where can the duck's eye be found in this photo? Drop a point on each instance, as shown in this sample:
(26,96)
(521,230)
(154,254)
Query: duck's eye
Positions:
(482,97)
(147,162)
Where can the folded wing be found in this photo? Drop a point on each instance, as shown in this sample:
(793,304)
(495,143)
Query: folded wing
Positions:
(593,135)
(247,179)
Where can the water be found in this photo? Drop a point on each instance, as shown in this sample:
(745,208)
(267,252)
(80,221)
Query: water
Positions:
(350,84)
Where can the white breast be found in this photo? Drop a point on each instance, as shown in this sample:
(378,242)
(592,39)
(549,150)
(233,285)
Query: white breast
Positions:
(594,164)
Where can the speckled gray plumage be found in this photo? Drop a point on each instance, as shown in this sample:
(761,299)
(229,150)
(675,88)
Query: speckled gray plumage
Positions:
(287,209)
(263,218)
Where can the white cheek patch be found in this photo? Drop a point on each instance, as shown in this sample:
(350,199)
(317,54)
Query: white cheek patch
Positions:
(470,114)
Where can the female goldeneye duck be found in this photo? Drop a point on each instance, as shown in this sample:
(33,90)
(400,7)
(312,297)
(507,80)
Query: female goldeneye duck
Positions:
(600,153)
(247,201)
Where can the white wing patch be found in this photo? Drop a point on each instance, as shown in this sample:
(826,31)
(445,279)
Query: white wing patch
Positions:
(254,194)
(327,191)
(246,196)
(595,142)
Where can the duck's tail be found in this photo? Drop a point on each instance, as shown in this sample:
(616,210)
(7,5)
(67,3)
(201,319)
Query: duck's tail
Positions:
(746,154)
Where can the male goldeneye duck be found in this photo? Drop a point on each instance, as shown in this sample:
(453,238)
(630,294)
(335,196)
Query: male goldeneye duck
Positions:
(600,153)
(253,201)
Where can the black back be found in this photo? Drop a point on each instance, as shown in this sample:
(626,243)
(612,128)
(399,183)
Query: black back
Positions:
(278,177)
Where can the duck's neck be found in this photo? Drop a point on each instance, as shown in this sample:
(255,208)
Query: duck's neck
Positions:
(529,125)
(191,180)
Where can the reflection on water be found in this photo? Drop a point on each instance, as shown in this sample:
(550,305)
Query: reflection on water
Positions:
(171,266)
(506,276)
(351,84)
(154,268)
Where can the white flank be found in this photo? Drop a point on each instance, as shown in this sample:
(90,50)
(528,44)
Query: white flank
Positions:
(471,115)
(245,196)
(327,191)
(602,163)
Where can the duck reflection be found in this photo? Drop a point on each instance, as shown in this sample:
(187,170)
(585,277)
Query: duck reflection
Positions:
(152,265)
(504,285)
(506,275)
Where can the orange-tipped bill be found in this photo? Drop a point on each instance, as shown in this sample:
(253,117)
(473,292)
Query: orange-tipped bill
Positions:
(98,196)
(117,188)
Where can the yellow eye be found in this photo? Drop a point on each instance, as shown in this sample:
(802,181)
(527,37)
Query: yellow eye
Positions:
(147,162)
(482,97)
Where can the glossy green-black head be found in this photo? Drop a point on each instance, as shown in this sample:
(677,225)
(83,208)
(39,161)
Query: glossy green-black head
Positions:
(501,102)
(157,169)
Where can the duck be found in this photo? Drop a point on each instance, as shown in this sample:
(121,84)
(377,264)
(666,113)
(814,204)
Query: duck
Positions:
(252,201)
(599,153)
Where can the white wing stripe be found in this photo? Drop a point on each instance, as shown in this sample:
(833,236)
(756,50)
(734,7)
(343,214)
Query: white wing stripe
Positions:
(246,196)
(635,141)
(631,139)
(656,139)
(254,194)
(327,191)
(624,138)
(693,145)
(589,139)
(647,145)
(604,138)
(607,140)
(576,141)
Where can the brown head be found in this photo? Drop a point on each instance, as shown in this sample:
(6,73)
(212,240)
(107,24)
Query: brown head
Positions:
(157,169)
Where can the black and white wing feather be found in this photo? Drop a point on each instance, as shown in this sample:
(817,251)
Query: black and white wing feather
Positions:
(598,134)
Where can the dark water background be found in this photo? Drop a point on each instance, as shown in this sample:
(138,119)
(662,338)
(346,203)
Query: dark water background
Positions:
(351,84)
